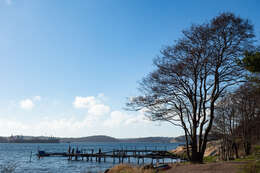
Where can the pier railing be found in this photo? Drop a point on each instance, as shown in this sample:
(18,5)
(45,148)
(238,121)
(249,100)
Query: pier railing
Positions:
(117,155)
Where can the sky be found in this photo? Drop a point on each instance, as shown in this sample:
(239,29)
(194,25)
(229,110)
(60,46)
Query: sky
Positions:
(67,67)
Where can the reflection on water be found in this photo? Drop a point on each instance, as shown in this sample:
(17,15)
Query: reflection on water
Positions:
(19,155)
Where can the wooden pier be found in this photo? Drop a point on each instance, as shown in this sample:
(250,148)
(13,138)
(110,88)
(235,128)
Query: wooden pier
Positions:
(119,156)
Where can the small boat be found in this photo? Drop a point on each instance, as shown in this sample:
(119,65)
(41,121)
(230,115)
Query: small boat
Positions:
(42,153)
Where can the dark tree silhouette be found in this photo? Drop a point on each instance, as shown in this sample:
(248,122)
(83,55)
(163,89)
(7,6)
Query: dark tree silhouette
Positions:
(238,120)
(225,126)
(247,99)
(251,61)
(191,75)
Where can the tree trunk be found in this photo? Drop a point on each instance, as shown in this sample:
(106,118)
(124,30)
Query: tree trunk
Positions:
(235,147)
(197,157)
(247,147)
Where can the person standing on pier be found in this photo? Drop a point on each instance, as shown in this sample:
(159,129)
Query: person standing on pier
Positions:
(69,149)
(77,150)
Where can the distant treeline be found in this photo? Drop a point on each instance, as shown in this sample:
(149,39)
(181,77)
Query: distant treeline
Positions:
(22,139)
(97,138)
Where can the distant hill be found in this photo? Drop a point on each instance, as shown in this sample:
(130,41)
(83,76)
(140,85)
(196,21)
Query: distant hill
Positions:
(98,138)
(179,139)
(3,140)
(101,138)
(28,139)
(148,139)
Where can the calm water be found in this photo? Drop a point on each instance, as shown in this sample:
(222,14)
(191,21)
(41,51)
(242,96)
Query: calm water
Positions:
(20,155)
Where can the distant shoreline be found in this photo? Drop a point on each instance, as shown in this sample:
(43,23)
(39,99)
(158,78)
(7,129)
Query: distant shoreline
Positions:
(97,138)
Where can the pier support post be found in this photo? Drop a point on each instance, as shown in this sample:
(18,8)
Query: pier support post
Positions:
(99,155)
(92,152)
(113,156)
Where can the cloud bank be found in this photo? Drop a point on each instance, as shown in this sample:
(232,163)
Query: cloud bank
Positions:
(97,117)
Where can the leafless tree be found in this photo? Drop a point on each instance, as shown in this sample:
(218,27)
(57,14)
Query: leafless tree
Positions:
(225,126)
(247,99)
(191,75)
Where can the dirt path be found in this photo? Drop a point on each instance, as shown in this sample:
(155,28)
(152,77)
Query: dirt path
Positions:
(220,167)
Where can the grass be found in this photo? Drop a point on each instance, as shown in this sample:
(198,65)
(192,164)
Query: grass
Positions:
(253,165)
(247,158)
(210,159)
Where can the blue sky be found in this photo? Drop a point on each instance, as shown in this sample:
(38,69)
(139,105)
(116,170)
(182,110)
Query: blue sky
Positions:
(67,66)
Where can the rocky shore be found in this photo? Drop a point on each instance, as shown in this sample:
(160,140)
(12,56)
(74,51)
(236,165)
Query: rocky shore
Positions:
(211,150)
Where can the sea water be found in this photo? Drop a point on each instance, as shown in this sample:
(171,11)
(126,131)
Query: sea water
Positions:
(20,157)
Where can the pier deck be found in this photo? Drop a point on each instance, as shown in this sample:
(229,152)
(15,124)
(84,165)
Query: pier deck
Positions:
(117,155)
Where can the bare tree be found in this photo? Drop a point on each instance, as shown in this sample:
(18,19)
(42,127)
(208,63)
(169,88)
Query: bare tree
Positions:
(191,75)
(225,126)
(247,99)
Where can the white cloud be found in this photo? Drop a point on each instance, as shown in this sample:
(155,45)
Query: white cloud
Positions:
(116,118)
(37,98)
(84,102)
(27,104)
(99,109)
(11,126)
(102,97)
(140,118)
(119,118)
(99,119)
(93,104)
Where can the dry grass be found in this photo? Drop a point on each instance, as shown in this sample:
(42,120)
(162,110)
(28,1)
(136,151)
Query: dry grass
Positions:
(218,167)
(124,168)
